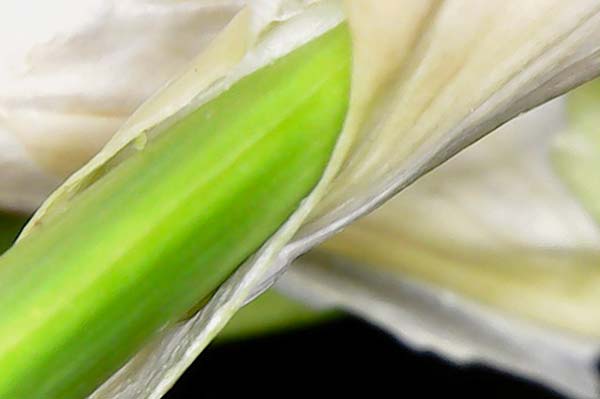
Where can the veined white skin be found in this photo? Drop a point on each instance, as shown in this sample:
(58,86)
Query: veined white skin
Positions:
(72,71)
(413,106)
(488,258)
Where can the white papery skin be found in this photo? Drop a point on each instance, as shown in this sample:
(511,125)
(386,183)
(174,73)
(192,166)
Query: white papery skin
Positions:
(497,224)
(488,258)
(72,71)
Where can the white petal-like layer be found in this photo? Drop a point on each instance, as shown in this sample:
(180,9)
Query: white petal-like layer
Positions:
(72,71)
(23,183)
(488,258)
(430,318)
(495,224)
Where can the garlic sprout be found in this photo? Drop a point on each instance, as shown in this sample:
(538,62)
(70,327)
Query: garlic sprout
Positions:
(429,78)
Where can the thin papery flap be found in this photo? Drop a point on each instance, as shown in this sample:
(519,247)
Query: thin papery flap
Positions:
(467,68)
(488,258)
(449,74)
(462,68)
(494,229)
(429,318)
(496,225)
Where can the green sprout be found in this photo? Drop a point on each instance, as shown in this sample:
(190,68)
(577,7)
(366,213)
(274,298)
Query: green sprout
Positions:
(158,233)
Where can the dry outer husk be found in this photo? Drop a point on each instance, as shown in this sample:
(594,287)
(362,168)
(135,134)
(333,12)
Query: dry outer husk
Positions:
(488,258)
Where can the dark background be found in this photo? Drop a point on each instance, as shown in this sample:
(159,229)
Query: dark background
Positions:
(342,357)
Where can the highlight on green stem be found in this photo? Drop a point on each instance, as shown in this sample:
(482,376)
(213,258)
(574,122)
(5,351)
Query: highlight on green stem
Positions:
(158,233)
(270,313)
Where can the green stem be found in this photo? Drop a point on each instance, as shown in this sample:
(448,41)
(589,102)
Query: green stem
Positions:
(163,229)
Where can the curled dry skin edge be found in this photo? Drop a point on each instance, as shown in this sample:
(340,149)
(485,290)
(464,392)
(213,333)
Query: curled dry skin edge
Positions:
(425,85)
(500,210)
(488,258)
(429,318)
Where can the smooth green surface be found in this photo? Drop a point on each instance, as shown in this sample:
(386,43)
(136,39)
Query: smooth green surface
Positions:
(270,313)
(577,150)
(163,229)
